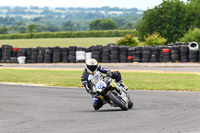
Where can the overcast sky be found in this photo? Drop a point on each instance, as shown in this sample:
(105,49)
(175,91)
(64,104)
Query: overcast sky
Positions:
(141,4)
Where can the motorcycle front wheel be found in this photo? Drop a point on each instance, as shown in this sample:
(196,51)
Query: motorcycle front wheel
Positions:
(117,100)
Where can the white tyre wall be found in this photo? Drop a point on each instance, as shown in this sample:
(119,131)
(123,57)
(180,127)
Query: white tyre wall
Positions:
(80,55)
(88,55)
(193,46)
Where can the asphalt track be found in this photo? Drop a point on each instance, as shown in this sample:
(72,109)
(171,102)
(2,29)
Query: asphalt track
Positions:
(36,109)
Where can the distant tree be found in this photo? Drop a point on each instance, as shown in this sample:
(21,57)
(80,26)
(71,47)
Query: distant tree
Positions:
(68,26)
(3,30)
(169,19)
(52,28)
(103,24)
(191,36)
(34,7)
(128,26)
(32,28)
(194,13)
(36,19)
(21,29)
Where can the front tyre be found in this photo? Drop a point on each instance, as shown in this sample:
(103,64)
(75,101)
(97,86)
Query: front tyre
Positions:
(118,101)
(130,103)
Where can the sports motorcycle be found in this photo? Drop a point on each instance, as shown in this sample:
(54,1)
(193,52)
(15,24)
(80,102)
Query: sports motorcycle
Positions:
(110,91)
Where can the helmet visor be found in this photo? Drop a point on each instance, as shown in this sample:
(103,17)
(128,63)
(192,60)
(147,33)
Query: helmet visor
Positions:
(92,68)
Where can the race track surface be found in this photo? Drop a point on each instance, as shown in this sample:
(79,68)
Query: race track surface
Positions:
(35,109)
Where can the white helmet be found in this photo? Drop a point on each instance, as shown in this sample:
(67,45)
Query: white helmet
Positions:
(91,65)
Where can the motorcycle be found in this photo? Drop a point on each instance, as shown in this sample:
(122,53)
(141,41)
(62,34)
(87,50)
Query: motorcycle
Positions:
(110,91)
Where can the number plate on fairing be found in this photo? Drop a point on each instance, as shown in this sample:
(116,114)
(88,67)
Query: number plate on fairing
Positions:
(100,85)
(123,95)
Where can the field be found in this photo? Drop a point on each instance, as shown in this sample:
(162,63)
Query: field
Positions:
(62,42)
(134,80)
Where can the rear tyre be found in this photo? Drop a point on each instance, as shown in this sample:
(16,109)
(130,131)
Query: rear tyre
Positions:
(118,101)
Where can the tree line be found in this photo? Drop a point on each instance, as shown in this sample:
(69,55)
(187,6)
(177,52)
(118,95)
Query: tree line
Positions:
(97,24)
(172,19)
(17,19)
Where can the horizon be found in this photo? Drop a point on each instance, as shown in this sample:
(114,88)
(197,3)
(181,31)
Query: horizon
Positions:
(140,5)
(69,7)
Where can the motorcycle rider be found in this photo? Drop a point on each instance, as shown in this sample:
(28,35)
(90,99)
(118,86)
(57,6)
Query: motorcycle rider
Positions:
(92,67)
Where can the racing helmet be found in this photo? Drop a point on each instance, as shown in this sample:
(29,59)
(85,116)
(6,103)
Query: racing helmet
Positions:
(91,65)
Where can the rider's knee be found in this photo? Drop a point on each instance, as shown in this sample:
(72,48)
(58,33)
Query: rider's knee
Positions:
(97,105)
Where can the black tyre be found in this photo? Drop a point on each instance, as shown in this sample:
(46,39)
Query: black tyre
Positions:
(118,101)
(130,103)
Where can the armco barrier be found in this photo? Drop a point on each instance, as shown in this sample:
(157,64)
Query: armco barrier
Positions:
(105,54)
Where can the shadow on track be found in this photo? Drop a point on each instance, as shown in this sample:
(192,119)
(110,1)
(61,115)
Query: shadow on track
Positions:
(106,110)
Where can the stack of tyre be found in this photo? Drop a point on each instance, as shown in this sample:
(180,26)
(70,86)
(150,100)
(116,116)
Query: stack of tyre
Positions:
(160,59)
(88,53)
(56,54)
(40,56)
(0,54)
(21,53)
(105,57)
(123,53)
(114,56)
(175,54)
(15,51)
(13,58)
(96,52)
(80,54)
(146,54)
(193,52)
(64,55)
(199,55)
(28,55)
(130,54)
(154,54)
(6,53)
(137,54)
(48,55)
(166,55)
(34,55)
(184,53)
(72,54)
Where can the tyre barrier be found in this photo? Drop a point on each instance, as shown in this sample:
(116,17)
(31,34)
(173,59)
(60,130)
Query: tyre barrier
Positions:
(146,54)
(96,52)
(80,55)
(180,52)
(48,54)
(105,57)
(193,46)
(88,53)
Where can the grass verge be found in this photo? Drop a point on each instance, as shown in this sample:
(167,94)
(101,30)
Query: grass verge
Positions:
(62,42)
(134,80)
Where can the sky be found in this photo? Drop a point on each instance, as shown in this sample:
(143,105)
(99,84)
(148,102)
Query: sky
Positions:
(140,4)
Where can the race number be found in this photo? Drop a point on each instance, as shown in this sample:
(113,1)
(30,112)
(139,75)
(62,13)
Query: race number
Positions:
(100,85)
(123,96)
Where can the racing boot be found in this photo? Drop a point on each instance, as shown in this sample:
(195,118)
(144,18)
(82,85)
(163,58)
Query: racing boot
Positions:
(123,85)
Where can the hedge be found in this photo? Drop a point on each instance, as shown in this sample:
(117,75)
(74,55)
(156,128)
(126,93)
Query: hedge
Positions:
(70,34)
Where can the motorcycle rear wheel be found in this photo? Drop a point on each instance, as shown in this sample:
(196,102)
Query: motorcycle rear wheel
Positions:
(118,101)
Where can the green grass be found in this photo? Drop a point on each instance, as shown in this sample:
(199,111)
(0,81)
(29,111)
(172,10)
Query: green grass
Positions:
(63,42)
(134,80)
